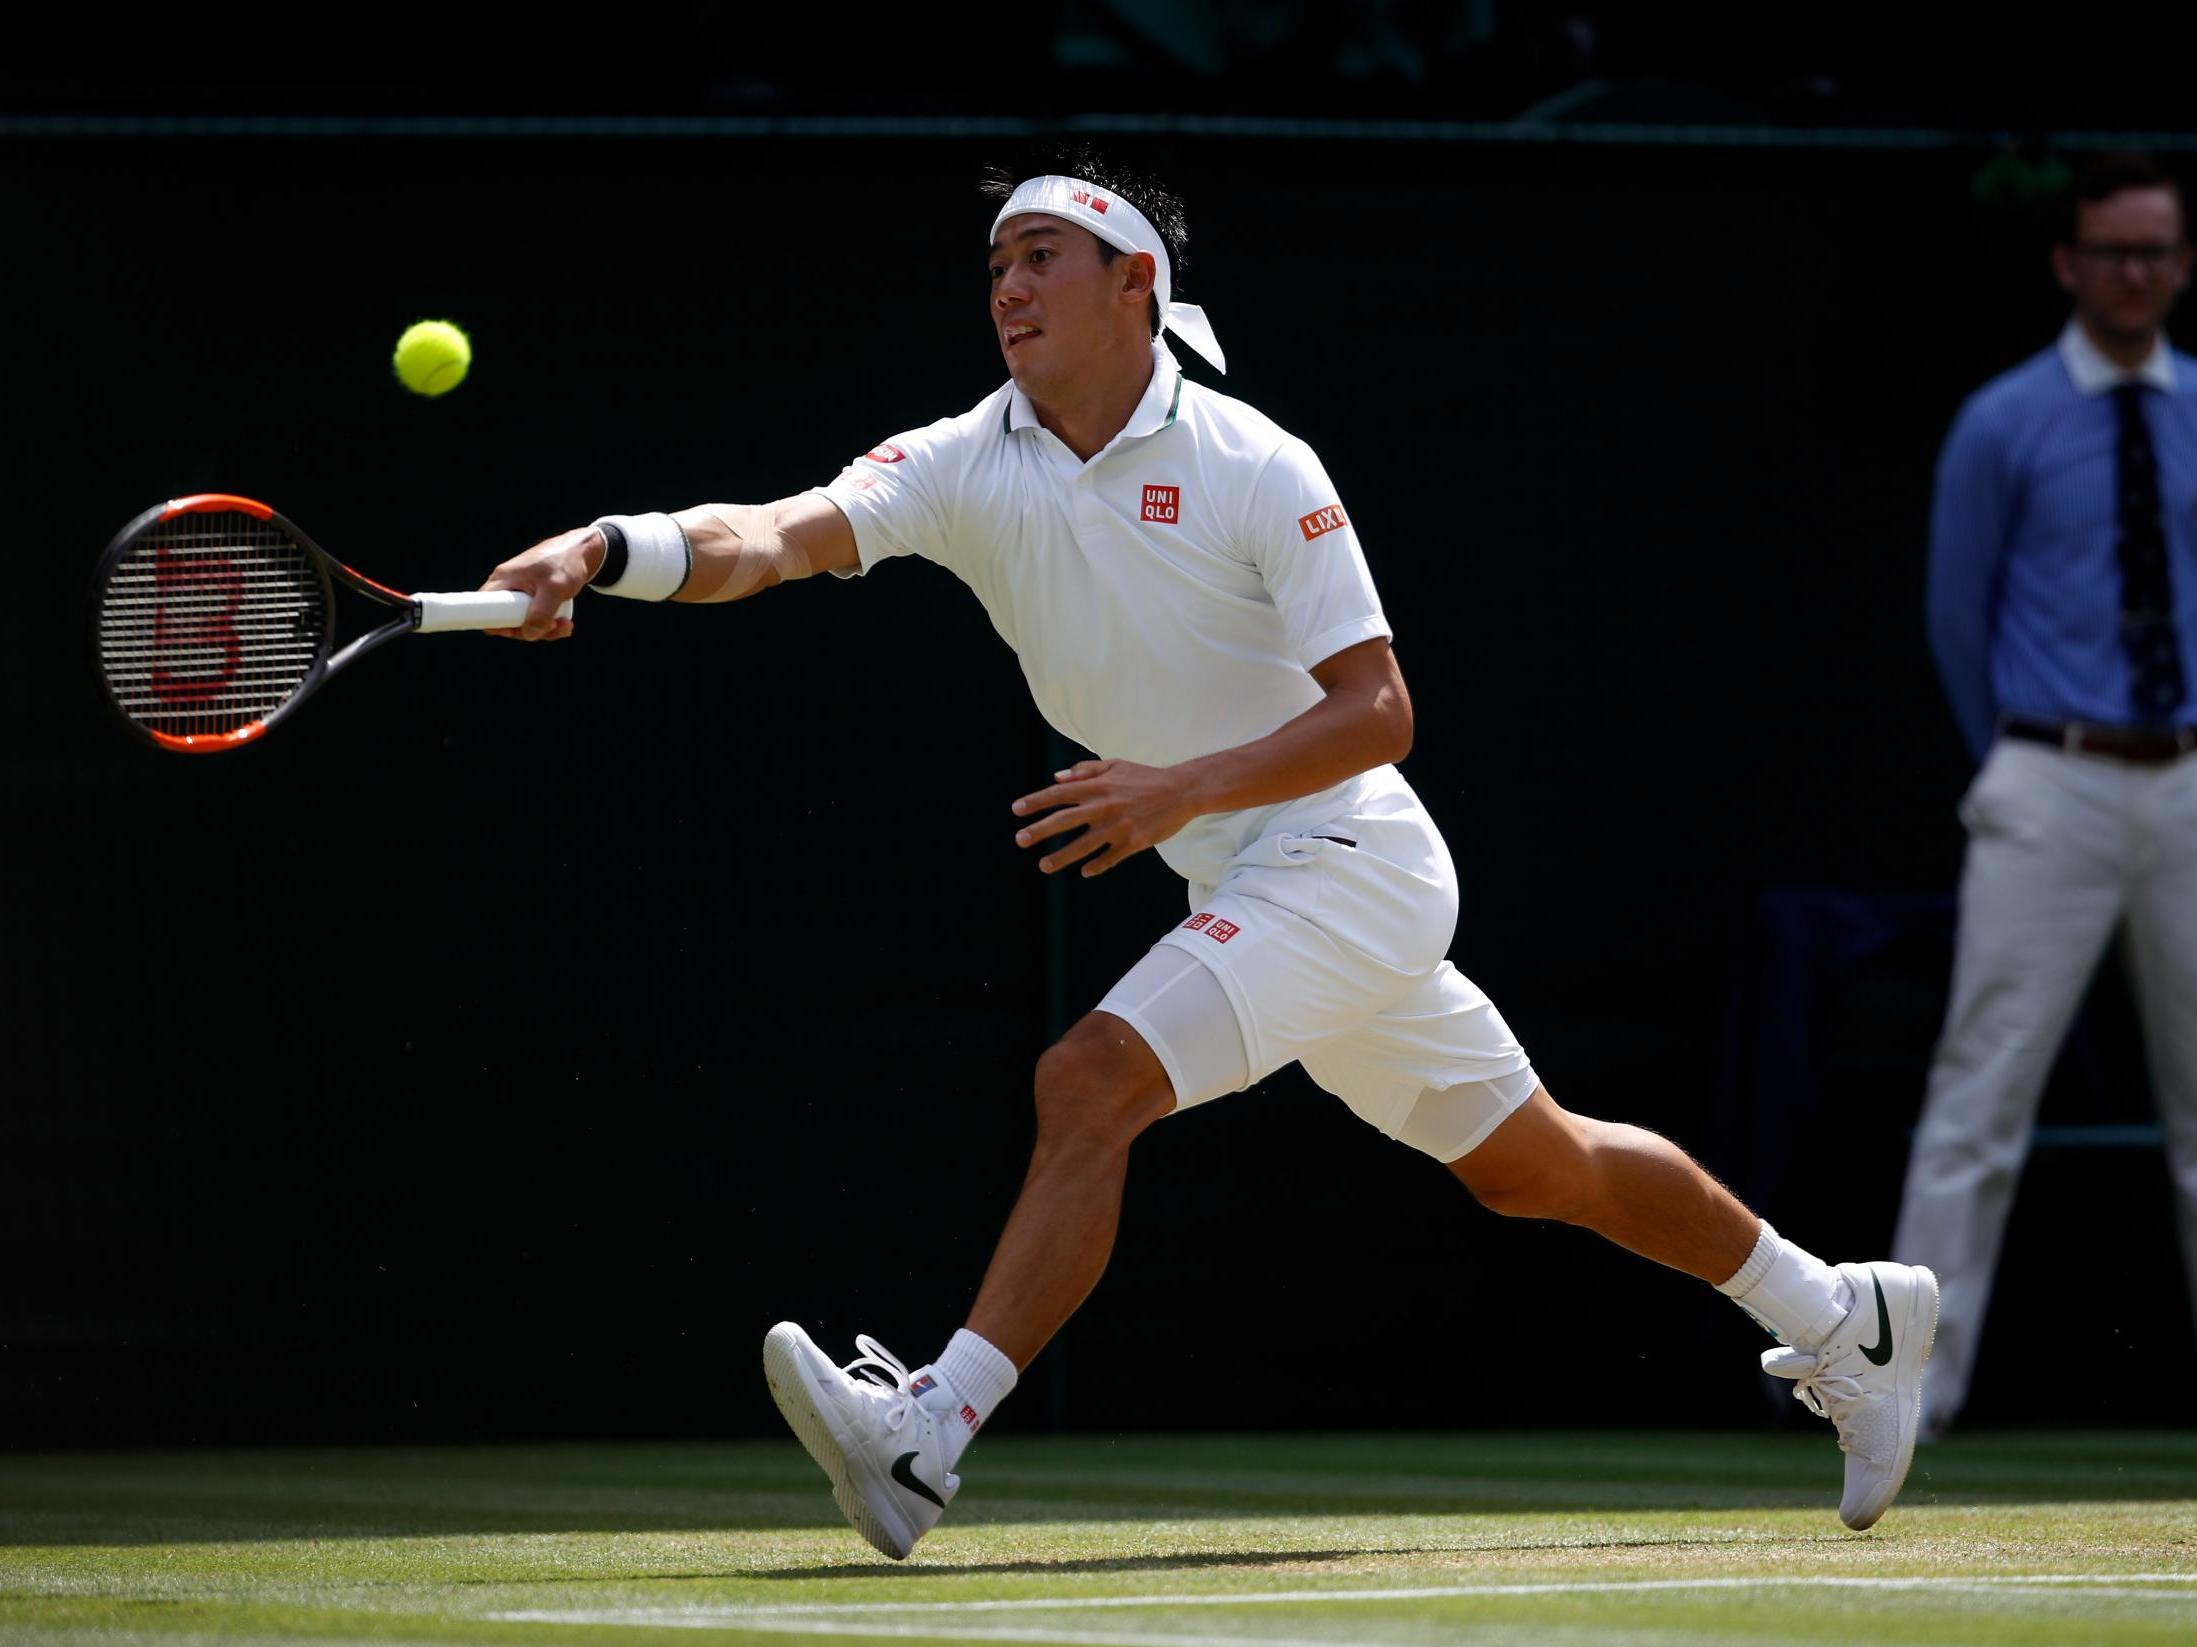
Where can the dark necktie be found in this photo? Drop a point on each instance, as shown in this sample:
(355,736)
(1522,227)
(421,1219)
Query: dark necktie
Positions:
(2156,685)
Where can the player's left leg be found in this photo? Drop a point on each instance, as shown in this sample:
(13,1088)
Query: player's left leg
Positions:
(1441,1072)
(1624,1183)
(1859,1335)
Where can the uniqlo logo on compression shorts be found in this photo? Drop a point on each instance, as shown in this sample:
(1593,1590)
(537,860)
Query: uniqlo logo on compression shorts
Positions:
(1217,930)
(1163,504)
(1322,520)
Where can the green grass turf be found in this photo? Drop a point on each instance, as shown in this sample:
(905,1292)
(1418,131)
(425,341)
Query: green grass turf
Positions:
(1196,1541)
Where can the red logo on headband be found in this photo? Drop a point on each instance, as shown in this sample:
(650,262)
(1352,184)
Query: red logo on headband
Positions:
(1084,197)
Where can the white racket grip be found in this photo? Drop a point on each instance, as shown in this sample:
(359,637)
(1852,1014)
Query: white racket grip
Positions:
(477,609)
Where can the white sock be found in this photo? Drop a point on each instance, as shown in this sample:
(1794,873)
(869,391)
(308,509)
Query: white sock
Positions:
(1791,1292)
(979,1378)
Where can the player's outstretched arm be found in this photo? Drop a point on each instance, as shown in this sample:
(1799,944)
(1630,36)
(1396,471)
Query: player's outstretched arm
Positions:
(737,550)
(1120,808)
(740,548)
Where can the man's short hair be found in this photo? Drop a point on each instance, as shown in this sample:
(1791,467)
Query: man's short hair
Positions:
(1160,204)
(2103,176)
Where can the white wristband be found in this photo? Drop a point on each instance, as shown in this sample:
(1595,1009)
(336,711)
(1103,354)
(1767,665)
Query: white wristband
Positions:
(658,557)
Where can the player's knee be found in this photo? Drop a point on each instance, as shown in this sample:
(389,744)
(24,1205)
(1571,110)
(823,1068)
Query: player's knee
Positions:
(1557,1191)
(1555,1175)
(1093,1093)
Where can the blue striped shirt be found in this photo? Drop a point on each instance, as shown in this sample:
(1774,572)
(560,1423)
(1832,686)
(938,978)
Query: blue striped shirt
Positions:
(2025,572)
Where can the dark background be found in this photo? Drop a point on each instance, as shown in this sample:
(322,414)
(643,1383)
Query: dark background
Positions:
(499,1049)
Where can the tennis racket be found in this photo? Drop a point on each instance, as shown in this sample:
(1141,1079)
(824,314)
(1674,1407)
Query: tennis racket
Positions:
(216,618)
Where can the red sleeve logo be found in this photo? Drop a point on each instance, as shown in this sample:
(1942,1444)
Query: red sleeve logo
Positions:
(885,452)
(1322,520)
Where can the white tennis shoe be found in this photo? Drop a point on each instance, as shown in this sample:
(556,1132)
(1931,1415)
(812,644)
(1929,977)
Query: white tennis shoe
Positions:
(1867,1380)
(865,1424)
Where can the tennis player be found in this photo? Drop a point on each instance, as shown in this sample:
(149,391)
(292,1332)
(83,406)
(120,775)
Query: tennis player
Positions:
(1188,598)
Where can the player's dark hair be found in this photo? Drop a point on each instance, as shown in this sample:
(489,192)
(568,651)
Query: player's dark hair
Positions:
(2106,175)
(1141,188)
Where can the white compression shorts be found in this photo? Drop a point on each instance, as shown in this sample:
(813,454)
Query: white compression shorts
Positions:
(1326,949)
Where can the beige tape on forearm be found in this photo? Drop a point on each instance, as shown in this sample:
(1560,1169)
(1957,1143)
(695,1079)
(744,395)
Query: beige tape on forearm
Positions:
(738,549)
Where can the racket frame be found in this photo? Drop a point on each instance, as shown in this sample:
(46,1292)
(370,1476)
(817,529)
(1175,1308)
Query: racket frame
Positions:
(325,663)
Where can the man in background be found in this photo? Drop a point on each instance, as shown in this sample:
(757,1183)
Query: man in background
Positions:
(2063,615)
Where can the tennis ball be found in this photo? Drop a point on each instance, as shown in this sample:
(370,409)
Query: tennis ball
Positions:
(432,357)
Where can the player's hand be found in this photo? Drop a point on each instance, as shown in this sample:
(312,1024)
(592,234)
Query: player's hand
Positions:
(553,572)
(1121,807)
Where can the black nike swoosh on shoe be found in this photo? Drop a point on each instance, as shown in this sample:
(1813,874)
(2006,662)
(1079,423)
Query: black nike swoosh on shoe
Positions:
(1878,1353)
(909,1479)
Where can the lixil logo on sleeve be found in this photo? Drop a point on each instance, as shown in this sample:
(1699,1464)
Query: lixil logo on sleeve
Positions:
(1322,520)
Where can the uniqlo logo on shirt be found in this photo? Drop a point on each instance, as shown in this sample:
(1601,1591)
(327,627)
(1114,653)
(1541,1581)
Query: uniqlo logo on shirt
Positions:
(885,452)
(1221,931)
(1322,520)
(1163,504)
(1196,923)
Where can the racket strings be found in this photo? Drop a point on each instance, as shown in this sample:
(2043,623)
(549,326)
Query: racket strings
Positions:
(209,622)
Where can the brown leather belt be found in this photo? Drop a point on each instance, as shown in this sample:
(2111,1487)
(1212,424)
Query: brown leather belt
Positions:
(2121,742)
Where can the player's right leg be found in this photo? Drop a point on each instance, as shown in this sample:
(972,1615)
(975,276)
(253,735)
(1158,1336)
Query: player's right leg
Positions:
(889,1439)
(1097,1088)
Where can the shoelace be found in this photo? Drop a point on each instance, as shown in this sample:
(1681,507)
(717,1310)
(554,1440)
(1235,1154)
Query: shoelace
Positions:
(1816,1390)
(876,1359)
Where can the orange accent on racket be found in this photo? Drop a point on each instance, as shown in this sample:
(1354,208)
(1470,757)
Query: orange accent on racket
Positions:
(206,743)
(206,503)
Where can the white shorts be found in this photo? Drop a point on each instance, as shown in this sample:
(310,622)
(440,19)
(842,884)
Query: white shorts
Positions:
(1327,947)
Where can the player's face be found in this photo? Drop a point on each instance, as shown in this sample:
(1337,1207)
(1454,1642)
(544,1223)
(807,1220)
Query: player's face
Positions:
(2128,264)
(1057,307)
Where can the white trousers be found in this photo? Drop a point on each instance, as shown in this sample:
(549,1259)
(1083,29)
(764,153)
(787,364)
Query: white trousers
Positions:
(2061,849)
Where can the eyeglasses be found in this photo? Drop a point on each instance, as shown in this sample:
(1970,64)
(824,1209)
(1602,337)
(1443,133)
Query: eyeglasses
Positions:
(2151,259)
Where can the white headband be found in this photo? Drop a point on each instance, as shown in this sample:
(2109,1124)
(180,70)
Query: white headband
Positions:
(1118,223)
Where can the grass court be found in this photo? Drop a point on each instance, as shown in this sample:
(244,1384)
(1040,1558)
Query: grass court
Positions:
(1546,1538)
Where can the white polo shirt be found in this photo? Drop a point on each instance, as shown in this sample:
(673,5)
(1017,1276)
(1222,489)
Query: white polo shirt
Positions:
(1166,599)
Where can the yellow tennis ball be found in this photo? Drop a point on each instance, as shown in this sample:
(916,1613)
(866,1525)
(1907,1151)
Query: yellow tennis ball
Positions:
(432,357)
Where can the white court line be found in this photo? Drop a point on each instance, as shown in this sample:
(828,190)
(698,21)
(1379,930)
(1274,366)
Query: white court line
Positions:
(820,1617)
(967,1632)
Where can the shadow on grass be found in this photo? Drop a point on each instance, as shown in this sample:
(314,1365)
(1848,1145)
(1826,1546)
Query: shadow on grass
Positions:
(1196,1560)
(105,1499)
